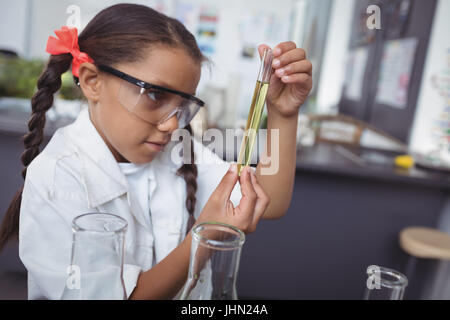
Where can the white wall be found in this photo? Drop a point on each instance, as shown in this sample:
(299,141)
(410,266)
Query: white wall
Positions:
(335,57)
(430,104)
(13,25)
(49,15)
(228,68)
(43,25)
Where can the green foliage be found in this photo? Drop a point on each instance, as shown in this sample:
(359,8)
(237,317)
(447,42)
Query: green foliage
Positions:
(69,90)
(18,78)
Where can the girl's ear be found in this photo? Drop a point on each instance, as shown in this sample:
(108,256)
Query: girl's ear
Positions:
(89,78)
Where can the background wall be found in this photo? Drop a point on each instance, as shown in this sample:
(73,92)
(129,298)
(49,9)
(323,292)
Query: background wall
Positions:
(228,82)
(14,22)
(335,57)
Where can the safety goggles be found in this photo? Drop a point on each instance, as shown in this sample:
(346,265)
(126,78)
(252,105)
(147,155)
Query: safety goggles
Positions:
(152,103)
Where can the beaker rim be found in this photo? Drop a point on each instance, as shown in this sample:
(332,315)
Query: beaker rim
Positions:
(222,245)
(398,278)
(122,227)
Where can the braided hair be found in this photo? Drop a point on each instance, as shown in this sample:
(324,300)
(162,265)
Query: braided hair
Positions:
(119,33)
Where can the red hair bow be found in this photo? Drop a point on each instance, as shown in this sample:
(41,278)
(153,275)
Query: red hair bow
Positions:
(68,43)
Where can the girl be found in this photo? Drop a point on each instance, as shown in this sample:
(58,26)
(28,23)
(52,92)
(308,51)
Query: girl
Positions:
(139,71)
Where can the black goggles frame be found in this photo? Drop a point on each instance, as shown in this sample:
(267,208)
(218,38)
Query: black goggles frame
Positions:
(146,85)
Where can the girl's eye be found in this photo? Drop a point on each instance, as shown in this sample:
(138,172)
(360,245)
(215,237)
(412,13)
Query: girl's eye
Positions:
(155,95)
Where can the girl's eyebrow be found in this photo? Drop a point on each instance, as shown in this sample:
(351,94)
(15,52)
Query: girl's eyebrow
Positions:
(166,85)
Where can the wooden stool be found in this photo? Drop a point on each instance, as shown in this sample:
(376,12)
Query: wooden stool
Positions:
(426,243)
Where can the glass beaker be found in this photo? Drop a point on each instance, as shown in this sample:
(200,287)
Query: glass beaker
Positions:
(96,269)
(215,254)
(384,284)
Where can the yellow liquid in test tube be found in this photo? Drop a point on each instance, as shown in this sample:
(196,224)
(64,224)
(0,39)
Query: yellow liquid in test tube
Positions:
(253,123)
(256,111)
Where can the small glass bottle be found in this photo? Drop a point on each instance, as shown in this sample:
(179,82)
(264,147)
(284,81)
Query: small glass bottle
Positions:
(215,254)
(96,270)
(384,284)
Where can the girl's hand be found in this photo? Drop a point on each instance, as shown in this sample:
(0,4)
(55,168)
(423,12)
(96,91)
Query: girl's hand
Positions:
(247,214)
(291,81)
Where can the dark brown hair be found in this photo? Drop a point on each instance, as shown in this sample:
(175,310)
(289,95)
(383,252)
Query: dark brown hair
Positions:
(120,33)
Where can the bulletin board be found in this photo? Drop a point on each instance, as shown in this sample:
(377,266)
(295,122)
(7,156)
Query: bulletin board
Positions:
(395,58)
(397,118)
(397,61)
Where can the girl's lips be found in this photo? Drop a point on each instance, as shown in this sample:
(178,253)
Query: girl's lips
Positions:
(156,146)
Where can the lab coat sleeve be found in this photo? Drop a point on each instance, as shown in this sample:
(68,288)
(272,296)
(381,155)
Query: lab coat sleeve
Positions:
(45,230)
(45,243)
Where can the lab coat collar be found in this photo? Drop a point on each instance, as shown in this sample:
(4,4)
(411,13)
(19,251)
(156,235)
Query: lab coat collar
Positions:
(102,176)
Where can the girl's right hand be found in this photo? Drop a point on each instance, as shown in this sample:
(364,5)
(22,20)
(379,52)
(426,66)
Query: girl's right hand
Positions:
(247,214)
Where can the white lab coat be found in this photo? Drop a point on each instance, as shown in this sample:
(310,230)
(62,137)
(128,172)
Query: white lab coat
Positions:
(75,174)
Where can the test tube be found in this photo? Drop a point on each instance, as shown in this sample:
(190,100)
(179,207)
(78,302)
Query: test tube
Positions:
(256,110)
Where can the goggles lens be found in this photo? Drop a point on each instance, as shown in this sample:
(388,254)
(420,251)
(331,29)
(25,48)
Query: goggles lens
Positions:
(157,105)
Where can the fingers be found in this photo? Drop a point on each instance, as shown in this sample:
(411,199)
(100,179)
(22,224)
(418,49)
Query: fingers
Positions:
(283,47)
(246,183)
(303,66)
(262,201)
(249,196)
(291,65)
(226,185)
(288,57)
(302,78)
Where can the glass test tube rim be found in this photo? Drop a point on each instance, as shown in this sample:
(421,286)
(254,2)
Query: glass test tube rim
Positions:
(264,65)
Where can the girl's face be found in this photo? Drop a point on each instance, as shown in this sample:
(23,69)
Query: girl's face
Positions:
(130,138)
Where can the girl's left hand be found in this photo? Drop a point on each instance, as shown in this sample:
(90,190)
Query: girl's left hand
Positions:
(291,81)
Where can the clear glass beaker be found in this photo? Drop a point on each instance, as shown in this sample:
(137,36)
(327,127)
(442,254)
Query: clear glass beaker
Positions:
(96,269)
(384,284)
(215,254)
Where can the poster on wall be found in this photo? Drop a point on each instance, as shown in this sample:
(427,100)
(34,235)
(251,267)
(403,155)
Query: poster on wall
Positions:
(397,62)
(440,82)
(430,134)
(207,29)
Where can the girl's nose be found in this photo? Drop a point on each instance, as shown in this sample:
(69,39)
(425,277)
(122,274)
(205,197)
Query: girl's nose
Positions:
(170,124)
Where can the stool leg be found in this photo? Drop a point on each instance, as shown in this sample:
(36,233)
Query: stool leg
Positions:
(441,283)
(446,282)
(410,267)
